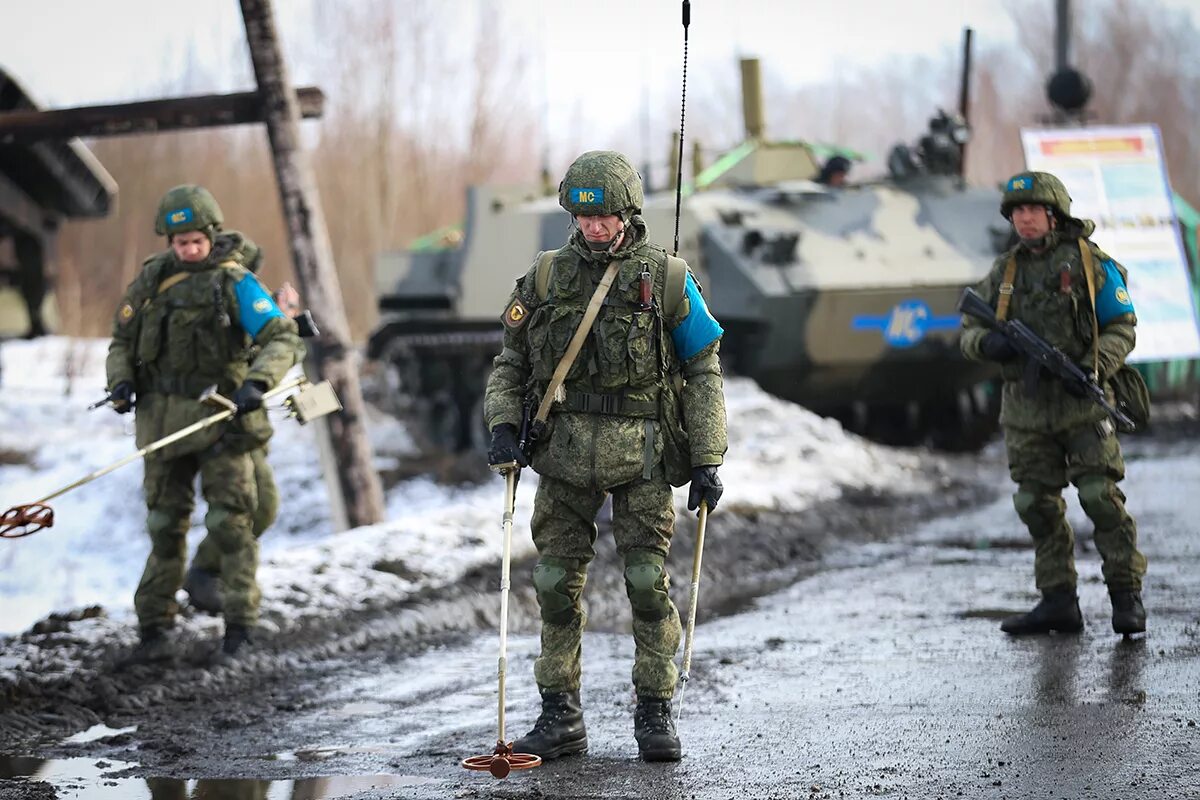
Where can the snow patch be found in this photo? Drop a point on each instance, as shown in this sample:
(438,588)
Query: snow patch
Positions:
(782,458)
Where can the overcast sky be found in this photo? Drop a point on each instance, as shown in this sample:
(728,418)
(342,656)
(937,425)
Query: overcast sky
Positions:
(75,51)
(69,52)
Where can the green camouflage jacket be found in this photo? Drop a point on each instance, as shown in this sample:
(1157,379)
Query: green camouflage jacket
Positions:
(1050,295)
(182,327)
(647,385)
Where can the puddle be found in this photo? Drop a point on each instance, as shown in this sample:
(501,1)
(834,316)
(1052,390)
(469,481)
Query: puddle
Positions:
(92,779)
(97,732)
(364,708)
(327,752)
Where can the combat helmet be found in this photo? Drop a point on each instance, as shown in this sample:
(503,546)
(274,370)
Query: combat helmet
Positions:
(188,208)
(601,182)
(1036,188)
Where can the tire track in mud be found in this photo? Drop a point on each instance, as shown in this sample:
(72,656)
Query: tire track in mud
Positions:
(748,554)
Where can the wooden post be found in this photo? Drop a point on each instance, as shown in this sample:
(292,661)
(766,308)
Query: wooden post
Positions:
(312,254)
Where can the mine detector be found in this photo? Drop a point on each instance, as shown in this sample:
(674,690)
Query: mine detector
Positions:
(841,299)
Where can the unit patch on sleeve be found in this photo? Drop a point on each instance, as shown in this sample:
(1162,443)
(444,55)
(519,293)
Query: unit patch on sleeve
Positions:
(125,314)
(515,314)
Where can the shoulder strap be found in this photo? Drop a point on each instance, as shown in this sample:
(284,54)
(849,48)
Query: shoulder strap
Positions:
(171,281)
(542,276)
(1089,275)
(673,288)
(585,325)
(182,276)
(1006,288)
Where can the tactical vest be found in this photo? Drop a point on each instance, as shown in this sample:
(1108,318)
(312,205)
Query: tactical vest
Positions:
(625,360)
(1050,295)
(187,339)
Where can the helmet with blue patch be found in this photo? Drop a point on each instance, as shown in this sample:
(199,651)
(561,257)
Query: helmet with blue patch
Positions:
(1036,189)
(601,182)
(188,208)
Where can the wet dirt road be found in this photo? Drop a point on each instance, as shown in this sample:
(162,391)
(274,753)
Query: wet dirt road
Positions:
(881,674)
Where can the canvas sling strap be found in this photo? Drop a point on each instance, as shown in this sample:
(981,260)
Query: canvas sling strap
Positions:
(576,343)
(1089,275)
(182,276)
(1006,288)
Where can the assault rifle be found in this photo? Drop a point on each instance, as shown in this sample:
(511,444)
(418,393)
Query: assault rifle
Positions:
(1040,354)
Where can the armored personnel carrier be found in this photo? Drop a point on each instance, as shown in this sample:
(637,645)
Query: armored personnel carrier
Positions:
(837,297)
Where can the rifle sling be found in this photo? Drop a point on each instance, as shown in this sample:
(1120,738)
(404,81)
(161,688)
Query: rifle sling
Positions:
(1006,288)
(576,344)
(1088,274)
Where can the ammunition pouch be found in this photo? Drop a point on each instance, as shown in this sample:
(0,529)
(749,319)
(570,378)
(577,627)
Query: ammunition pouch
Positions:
(677,455)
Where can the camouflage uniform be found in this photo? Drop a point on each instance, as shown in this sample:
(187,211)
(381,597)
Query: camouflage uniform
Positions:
(643,404)
(207,558)
(1054,437)
(181,327)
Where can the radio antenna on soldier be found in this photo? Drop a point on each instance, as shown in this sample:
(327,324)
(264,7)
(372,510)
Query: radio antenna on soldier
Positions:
(687,19)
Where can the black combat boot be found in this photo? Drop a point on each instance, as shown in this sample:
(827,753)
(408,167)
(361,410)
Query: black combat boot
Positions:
(1129,615)
(1057,611)
(559,730)
(203,589)
(654,729)
(153,647)
(236,641)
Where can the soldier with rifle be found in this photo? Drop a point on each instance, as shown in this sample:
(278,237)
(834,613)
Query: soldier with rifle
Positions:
(1062,326)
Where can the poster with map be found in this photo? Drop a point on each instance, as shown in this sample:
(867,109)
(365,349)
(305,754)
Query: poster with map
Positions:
(1117,178)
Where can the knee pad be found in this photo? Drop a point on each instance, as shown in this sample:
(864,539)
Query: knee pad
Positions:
(1039,507)
(559,584)
(1099,501)
(230,528)
(168,533)
(646,585)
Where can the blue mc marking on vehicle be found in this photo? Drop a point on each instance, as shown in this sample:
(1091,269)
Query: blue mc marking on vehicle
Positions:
(906,324)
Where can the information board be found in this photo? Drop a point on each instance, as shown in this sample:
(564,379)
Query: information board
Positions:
(1117,178)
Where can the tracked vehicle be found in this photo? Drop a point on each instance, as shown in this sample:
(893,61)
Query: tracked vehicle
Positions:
(840,298)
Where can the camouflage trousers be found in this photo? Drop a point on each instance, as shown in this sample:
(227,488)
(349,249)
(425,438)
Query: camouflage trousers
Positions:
(564,532)
(227,481)
(208,553)
(1088,456)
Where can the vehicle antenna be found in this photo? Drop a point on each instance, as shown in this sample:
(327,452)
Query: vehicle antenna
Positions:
(687,19)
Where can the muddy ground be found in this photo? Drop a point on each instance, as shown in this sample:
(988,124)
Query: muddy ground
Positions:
(850,651)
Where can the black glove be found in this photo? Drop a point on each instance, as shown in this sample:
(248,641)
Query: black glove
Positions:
(306,325)
(249,396)
(996,347)
(121,397)
(504,446)
(706,486)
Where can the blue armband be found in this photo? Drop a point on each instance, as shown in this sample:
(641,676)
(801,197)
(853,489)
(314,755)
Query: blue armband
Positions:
(255,306)
(1113,299)
(698,329)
